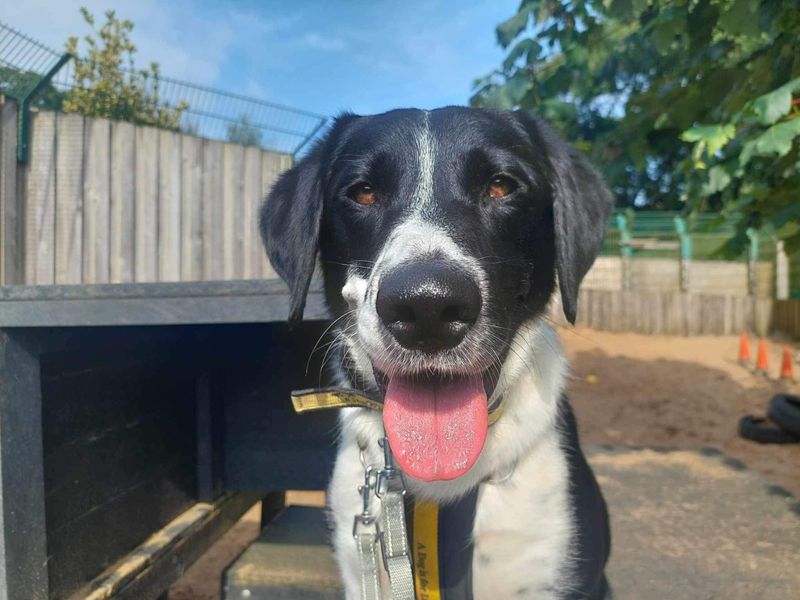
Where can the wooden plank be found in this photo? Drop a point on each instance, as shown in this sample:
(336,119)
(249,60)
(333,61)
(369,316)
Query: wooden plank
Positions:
(97,202)
(164,557)
(152,304)
(233,209)
(69,198)
(169,206)
(23,542)
(11,210)
(213,268)
(251,243)
(191,208)
(271,167)
(41,200)
(146,238)
(123,201)
(291,559)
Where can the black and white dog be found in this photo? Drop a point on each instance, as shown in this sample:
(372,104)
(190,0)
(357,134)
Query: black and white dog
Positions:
(441,235)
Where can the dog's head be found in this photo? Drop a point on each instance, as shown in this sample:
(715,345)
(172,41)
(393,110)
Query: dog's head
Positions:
(440,233)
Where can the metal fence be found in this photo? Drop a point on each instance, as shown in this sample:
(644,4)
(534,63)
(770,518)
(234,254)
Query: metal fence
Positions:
(39,77)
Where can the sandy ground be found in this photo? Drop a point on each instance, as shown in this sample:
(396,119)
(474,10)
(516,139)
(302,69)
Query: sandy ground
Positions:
(680,392)
(627,390)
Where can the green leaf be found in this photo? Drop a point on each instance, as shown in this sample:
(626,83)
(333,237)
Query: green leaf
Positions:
(741,18)
(527,47)
(775,141)
(508,30)
(714,136)
(772,106)
(518,86)
(718,180)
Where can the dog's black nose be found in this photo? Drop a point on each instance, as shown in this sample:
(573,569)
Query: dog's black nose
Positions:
(428,306)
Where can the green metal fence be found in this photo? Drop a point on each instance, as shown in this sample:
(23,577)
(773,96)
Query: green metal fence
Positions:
(40,77)
(667,234)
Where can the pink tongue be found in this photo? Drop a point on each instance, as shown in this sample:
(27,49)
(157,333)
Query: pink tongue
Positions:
(436,428)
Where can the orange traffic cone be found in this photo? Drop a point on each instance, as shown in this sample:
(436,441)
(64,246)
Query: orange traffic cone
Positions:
(762,360)
(786,365)
(744,350)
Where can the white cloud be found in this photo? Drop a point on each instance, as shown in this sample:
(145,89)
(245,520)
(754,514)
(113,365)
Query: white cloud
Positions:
(187,43)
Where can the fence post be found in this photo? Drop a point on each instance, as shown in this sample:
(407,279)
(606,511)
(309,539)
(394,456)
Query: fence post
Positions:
(752,262)
(781,272)
(686,251)
(626,250)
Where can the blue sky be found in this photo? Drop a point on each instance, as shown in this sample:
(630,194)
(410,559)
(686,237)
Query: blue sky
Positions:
(359,55)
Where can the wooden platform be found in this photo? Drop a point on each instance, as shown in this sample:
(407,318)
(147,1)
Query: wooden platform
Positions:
(685,525)
(291,560)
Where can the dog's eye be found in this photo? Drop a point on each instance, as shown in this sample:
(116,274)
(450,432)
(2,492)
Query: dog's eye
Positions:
(362,193)
(501,186)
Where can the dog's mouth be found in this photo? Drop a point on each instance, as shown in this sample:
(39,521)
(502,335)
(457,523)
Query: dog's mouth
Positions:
(436,423)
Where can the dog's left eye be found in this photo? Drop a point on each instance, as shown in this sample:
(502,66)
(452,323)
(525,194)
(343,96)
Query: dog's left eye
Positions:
(501,186)
(362,193)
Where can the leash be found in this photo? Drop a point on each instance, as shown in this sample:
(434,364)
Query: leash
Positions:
(305,401)
(441,544)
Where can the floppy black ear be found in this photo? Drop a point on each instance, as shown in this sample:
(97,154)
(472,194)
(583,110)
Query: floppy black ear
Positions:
(581,206)
(289,221)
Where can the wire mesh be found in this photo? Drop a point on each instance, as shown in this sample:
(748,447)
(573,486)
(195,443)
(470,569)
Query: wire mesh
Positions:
(206,112)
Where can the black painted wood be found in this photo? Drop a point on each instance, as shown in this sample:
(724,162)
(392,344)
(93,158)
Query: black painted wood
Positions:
(23,551)
(266,445)
(121,425)
(151,304)
(119,445)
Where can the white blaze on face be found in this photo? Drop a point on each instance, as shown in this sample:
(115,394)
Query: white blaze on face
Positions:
(416,238)
(426,158)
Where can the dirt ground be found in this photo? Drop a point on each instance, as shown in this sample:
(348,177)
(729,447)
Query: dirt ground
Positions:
(666,391)
(627,390)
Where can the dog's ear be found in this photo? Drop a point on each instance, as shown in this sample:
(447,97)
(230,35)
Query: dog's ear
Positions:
(289,222)
(290,219)
(581,206)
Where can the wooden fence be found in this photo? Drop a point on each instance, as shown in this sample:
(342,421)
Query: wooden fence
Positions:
(786,317)
(110,202)
(705,277)
(670,313)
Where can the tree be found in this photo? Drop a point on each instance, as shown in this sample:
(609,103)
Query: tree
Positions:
(624,79)
(108,85)
(17,83)
(243,132)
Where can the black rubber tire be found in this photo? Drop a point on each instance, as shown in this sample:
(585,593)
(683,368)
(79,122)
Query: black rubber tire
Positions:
(757,429)
(784,409)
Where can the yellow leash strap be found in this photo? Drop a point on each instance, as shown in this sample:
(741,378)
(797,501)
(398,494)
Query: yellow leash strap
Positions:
(305,401)
(425,550)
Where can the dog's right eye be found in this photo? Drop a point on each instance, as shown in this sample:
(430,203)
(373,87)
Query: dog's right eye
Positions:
(362,193)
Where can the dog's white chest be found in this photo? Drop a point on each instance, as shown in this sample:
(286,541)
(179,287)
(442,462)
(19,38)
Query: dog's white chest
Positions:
(522,530)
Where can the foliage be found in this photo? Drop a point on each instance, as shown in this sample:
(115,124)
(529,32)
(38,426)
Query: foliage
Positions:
(684,104)
(17,83)
(243,132)
(107,85)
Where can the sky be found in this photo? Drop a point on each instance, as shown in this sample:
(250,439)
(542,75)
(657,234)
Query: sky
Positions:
(364,56)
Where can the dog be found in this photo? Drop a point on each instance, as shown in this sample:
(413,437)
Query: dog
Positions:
(442,236)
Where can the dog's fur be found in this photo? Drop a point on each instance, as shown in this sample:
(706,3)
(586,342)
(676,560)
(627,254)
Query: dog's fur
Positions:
(429,173)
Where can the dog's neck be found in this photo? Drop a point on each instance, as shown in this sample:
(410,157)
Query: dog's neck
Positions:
(531,381)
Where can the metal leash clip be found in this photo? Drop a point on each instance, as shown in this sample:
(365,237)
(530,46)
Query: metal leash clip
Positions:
(365,518)
(389,475)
